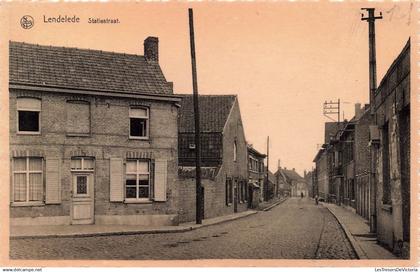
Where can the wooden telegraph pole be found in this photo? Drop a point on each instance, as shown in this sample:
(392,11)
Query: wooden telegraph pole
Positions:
(198,198)
(372,54)
(268,156)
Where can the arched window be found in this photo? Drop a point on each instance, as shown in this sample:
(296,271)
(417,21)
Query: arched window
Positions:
(235,151)
(28,115)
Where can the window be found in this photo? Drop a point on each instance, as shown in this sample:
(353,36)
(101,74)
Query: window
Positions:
(78,117)
(139,123)
(386,198)
(137,181)
(82,164)
(27,180)
(28,115)
(229,191)
(234,151)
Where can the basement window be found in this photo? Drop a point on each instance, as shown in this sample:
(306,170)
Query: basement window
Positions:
(28,115)
(139,123)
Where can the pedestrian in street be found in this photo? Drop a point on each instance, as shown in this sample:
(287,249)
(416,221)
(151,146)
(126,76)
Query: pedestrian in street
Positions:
(316,199)
(301,194)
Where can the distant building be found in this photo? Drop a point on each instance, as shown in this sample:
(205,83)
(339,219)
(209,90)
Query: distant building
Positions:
(224,157)
(270,186)
(293,183)
(308,176)
(256,175)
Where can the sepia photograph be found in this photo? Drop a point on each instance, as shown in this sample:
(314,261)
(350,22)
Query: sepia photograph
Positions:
(209,131)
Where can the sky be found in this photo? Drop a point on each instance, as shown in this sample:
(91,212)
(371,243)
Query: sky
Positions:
(282,59)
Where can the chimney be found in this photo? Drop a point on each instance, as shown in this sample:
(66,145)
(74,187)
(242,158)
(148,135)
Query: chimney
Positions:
(357,110)
(151,49)
(304,173)
(293,169)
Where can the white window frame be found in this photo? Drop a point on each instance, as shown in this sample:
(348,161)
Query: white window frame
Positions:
(82,169)
(28,109)
(147,118)
(137,173)
(27,172)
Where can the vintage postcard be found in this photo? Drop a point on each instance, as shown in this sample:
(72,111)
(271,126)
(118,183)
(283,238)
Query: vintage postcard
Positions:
(209,134)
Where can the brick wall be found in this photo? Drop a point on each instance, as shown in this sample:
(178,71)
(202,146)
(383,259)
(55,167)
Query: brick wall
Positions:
(392,101)
(215,190)
(109,138)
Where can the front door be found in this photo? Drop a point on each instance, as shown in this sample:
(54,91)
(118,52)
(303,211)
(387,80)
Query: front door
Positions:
(82,209)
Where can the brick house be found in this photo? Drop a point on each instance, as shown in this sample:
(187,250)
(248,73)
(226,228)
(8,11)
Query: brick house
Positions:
(295,184)
(364,195)
(224,157)
(321,177)
(270,186)
(257,176)
(390,139)
(308,176)
(93,137)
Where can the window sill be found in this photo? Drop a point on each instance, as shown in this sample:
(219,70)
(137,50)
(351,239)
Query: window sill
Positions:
(27,204)
(387,207)
(138,201)
(138,138)
(28,133)
(78,134)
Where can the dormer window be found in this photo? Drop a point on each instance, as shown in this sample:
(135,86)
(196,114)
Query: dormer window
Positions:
(28,115)
(139,123)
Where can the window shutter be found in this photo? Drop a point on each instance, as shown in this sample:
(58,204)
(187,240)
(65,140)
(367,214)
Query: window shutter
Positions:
(52,181)
(160,180)
(116,185)
(11,181)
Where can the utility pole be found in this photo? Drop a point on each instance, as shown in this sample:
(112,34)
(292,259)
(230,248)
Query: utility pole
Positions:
(372,54)
(268,150)
(199,197)
(332,108)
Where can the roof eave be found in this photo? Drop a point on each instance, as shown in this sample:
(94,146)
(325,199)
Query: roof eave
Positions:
(55,89)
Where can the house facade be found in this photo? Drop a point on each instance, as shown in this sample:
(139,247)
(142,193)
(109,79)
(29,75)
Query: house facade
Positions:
(257,176)
(293,184)
(390,139)
(90,144)
(224,157)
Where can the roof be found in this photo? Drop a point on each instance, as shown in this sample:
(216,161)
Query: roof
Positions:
(290,174)
(393,66)
(214,112)
(331,129)
(255,152)
(271,176)
(318,154)
(86,69)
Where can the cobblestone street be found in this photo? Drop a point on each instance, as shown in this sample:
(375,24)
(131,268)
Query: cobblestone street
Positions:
(296,229)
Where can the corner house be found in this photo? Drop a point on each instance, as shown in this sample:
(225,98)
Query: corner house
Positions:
(93,137)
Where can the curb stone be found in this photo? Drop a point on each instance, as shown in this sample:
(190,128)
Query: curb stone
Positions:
(354,244)
(275,204)
(179,229)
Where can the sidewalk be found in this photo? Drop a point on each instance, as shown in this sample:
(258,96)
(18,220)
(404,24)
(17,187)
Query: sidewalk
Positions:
(357,231)
(266,206)
(21,232)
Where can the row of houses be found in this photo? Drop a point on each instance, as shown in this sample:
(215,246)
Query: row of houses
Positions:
(100,138)
(364,162)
